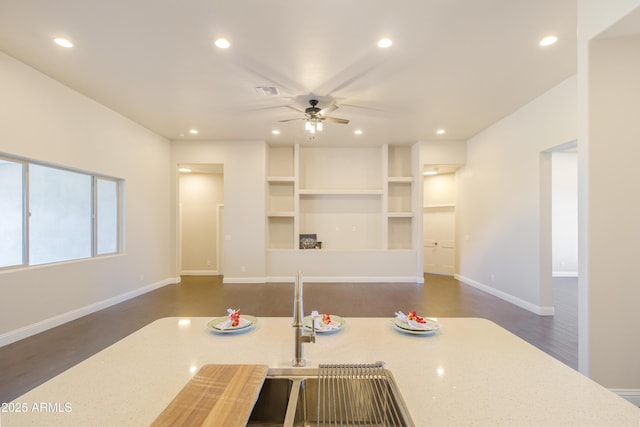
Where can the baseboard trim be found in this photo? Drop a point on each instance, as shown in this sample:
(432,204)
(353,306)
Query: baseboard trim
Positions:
(348,279)
(199,273)
(631,395)
(243,280)
(564,274)
(539,310)
(325,279)
(52,322)
(364,279)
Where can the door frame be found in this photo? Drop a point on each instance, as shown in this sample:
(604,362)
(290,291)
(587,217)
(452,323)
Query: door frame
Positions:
(546,224)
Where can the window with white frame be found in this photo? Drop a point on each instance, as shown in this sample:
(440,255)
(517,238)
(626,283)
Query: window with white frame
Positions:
(52,214)
(12,224)
(106,216)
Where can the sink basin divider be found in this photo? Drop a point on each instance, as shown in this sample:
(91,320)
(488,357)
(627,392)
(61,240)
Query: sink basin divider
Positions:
(290,415)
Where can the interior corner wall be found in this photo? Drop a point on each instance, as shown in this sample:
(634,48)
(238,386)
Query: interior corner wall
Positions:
(498,198)
(46,121)
(244,258)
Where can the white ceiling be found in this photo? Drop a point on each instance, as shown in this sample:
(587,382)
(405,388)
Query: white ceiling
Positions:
(460,65)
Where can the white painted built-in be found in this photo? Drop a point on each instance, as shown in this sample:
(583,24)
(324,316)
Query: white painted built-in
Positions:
(360,203)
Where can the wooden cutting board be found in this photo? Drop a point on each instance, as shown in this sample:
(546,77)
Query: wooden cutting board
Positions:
(217,395)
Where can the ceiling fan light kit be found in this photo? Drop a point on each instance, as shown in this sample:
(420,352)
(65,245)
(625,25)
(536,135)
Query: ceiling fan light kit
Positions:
(314,116)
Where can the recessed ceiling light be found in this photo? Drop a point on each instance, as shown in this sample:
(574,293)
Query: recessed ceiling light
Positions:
(440,131)
(384,43)
(275,132)
(548,41)
(186,170)
(62,42)
(431,172)
(223,43)
(358,132)
(193,131)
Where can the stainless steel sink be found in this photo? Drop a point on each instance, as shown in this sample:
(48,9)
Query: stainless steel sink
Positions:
(332,395)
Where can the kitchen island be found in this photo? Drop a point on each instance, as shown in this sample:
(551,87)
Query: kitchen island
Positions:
(472,372)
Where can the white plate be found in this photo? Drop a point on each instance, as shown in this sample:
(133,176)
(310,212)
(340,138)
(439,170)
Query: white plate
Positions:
(232,329)
(414,331)
(433,326)
(336,321)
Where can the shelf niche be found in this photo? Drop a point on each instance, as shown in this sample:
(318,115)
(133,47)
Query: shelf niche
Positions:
(281,197)
(281,162)
(400,233)
(400,197)
(400,161)
(280,232)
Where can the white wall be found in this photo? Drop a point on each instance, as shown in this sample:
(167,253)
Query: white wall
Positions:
(46,121)
(439,189)
(443,152)
(498,205)
(244,201)
(609,207)
(565,214)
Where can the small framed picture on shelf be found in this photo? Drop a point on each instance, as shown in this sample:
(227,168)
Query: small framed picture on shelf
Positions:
(308,241)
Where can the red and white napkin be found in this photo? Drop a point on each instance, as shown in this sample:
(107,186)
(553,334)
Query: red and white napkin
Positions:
(234,321)
(416,322)
(323,322)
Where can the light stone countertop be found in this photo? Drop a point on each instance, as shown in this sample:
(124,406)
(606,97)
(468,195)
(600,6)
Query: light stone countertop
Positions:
(472,373)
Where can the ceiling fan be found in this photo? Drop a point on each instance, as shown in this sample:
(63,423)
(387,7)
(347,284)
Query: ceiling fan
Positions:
(314,116)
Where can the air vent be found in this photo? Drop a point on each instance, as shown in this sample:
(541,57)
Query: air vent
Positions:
(266,91)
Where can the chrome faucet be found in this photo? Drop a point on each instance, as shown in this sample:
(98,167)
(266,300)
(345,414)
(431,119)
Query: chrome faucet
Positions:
(298,324)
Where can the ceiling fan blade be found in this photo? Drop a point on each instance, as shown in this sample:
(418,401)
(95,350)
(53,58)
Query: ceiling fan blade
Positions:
(328,109)
(296,108)
(335,120)
(290,120)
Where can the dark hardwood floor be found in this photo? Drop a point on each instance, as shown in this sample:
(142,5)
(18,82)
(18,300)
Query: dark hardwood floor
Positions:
(27,363)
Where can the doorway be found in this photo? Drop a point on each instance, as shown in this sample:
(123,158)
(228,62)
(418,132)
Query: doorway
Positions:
(559,238)
(201,208)
(558,216)
(439,219)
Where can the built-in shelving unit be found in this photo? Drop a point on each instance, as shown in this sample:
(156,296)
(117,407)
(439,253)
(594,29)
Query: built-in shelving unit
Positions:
(352,198)
(281,200)
(361,203)
(400,185)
